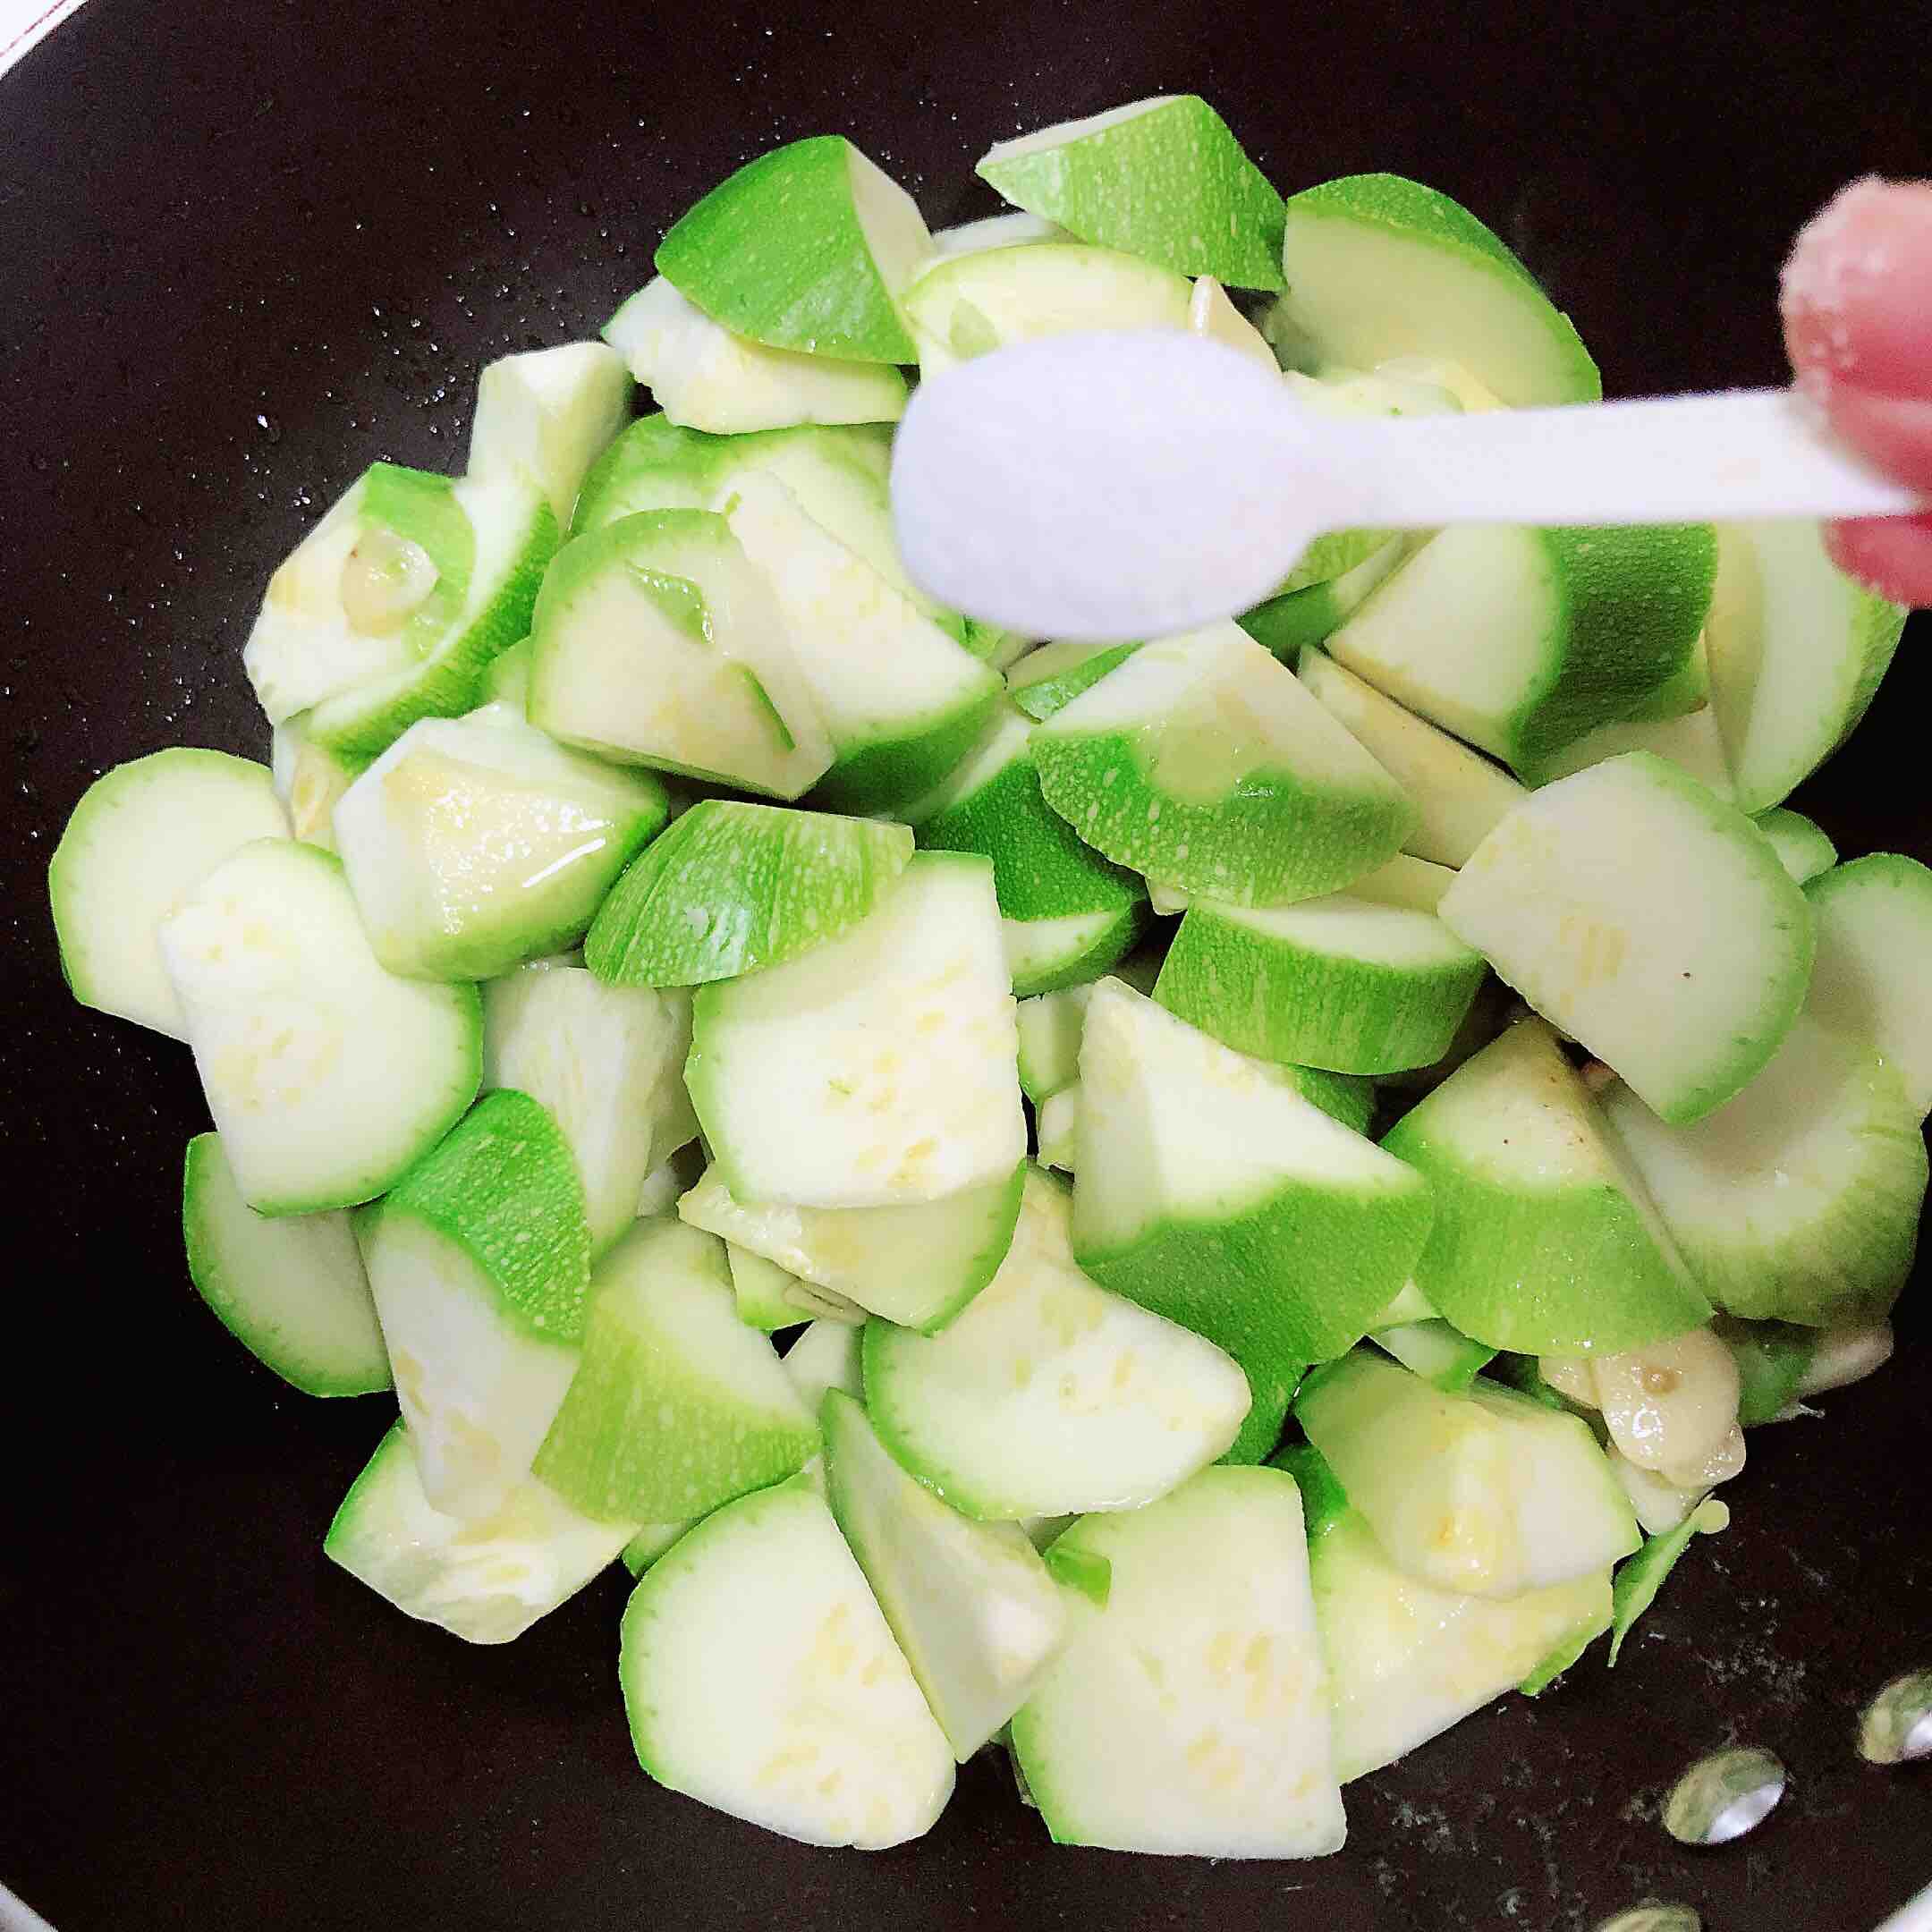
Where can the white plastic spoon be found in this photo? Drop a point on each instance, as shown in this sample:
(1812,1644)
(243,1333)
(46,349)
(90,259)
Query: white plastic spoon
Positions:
(1136,484)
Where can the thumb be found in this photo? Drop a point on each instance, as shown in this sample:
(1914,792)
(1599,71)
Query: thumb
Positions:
(1857,307)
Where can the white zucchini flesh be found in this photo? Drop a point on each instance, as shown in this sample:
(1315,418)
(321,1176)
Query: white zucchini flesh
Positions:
(1874,940)
(1798,1201)
(876,1070)
(917,1264)
(328,1076)
(1805,848)
(478,1389)
(1647,920)
(977,1613)
(474,844)
(515,537)
(1191,1714)
(1407,1661)
(291,1289)
(901,699)
(608,1064)
(1380,267)
(656,641)
(1485,1492)
(967,303)
(309,780)
(1460,797)
(760,1678)
(550,413)
(706,377)
(485,1580)
(826,1356)
(1048,1395)
(143,836)
(1797,651)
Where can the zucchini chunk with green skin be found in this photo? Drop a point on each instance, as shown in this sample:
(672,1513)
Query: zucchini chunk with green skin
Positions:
(143,836)
(1487,1493)
(1460,797)
(760,1677)
(1803,848)
(1798,1201)
(916,1265)
(970,1604)
(485,1580)
(1688,691)
(902,699)
(310,780)
(1773,1360)
(1378,267)
(992,805)
(1544,1240)
(365,594)
(479,1261)
(770,1297)
(651,1541)
(1071,949)
(677,1406)
(326,1075)
(1363,981)
(806,248)
(1049,1396)
(874,1072)
(447,664)
(608,1064)
(1164,179)
(703,376)
(732,887)
(657,642)
(549,414)
(1191,1714)
(1796,650)
(965,306)
(759,1289)
(1293,622)
(292,1291)
(1640,1580)
(1213,1193)
(1874,936)
(1522,640)
(839,473)
(1047,678)
(1432,1350)
(1050,1025)
(474,843)
(1407,1661)
(1692,743)
(1201,762)
(1650,921)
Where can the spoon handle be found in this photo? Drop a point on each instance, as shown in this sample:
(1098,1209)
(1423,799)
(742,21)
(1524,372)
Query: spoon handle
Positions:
(1742,453)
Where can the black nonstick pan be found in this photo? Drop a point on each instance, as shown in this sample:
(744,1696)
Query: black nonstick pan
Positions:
(243,252)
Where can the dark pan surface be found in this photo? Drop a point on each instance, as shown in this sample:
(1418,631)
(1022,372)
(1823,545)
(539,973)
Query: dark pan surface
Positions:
(243,252)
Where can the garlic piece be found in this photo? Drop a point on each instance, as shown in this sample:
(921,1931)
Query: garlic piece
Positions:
(1673,1401)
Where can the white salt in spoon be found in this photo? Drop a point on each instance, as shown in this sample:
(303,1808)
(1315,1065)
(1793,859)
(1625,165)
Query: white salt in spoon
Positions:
(1139,484)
